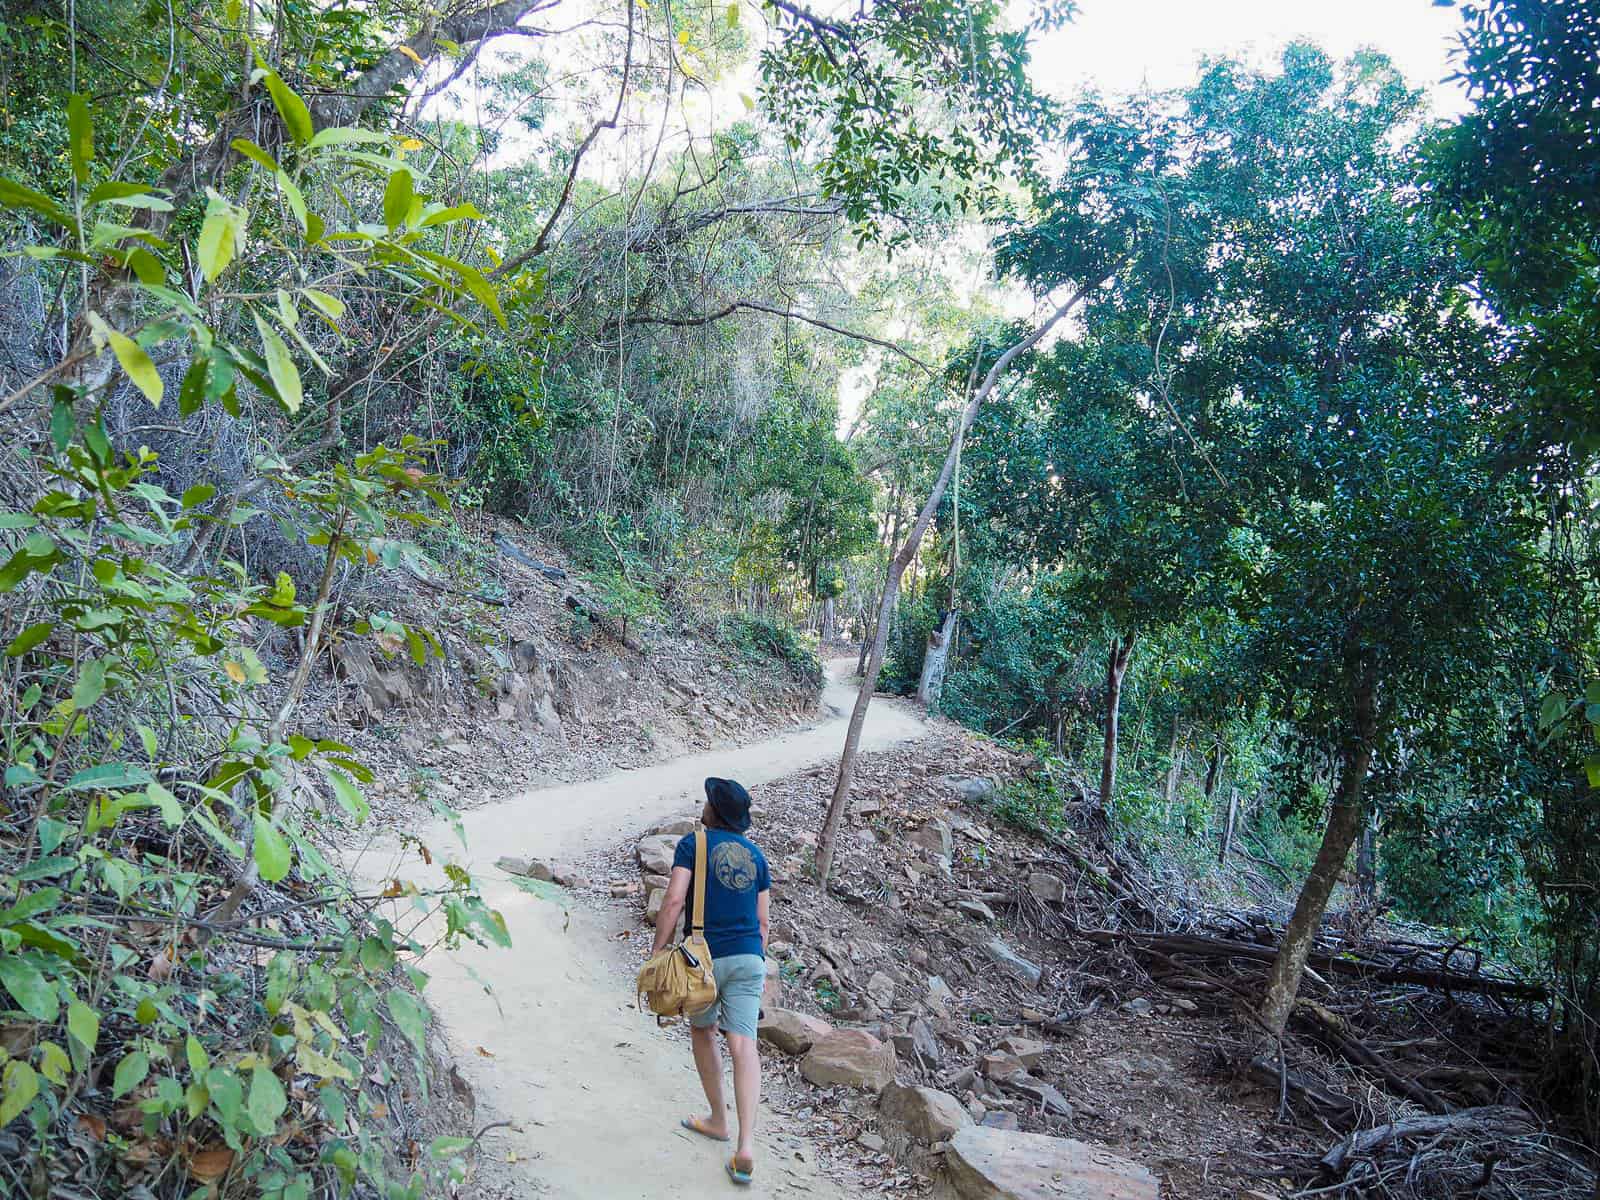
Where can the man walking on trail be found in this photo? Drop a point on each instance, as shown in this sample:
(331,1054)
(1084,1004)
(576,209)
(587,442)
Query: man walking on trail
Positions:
(737,900)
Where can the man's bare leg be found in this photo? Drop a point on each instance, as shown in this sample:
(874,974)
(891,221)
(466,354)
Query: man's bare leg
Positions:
(708,1062)
(746,1094)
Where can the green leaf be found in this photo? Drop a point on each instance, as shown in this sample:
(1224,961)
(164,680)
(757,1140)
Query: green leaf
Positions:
(296,116)
(54,1064)
(344,135)
(137,364)
(195,1099)
(29,638)
(271,850)
(91,684)
(34,994)
(449,1147)
(254,153)
(398,194)
(130,1073)
(80,137)
(1591,767)
(199,1060)
(219,237)
(266,1102)
(409,1018)
(15,195)
(18,1086)
(147,267)
(105,776)
(448,216)
(296,199)
(227,1093)
(83,1024)
(349,795)
(285,375)
(330,306)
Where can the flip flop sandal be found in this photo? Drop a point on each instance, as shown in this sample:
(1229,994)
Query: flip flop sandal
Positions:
(742,1177)
(693,1125)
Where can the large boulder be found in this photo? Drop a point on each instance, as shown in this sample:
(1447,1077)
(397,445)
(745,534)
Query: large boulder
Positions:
(791,1032)
(849,1058)
(655,853)
(1002,1164)
(918,1116)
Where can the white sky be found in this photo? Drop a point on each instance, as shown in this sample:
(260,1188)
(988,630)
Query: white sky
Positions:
(1118,46)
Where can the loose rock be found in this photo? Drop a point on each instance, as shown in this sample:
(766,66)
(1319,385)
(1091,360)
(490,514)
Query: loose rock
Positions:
(1050,889)
(849,1058)
(791,1032)
(985,1163)
(919,1115)
(655,854)
(1013,964)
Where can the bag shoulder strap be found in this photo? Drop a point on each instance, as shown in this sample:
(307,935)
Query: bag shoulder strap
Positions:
(697,923)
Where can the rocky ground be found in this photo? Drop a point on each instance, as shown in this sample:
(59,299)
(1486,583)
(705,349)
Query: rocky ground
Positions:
(923,995)
(529,692)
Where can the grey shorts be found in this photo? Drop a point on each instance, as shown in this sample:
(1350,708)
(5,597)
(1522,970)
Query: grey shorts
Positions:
(741,978)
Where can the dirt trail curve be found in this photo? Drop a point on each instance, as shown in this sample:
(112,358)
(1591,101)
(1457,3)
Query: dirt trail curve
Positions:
(595,1088)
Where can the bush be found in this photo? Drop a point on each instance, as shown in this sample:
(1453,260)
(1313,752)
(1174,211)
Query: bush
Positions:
(755,637)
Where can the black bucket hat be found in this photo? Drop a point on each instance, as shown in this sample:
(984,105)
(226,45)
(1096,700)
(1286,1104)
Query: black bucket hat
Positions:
(730,802)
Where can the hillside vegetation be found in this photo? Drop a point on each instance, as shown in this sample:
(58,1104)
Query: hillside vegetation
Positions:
(561,376)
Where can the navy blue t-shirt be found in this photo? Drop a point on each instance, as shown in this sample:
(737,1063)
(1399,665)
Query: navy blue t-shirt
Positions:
(737,876)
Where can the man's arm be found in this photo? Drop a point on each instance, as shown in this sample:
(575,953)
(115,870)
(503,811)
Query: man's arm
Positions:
(763,911)
(672,908)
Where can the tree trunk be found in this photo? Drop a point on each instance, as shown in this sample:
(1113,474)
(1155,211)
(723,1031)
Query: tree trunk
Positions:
(1116,668)
(1367,860)
(829,625)
(1214,770)
(897,568)
(1174,766)
(1344,823)
(1228,826)
(934,660)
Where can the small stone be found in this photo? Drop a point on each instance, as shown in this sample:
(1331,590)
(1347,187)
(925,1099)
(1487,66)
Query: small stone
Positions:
(939,991)
(1013,964)
(568,875)
(918,956)
(976,909)
(622,890)
(998,1065)
(999,1120)
(1026,1050)
(934,836)
(652,904)
(849,1058)
(918,1045)
(1139,1007)
(515,866)
(1047,888)
(872,1142)
(651,882)
(868,806)
(675,827)
(880,989)
(972,790)
(1185,1005)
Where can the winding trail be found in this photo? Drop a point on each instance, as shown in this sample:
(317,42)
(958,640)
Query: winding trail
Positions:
(592,1089)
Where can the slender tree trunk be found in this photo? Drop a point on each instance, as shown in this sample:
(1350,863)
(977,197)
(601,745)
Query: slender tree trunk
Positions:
(1367,860)
(1116,668)
(1344,824)
(1174,765)
(829,626)
(1228,826)
(1214,770)
(870,633)
(934,660)
(897,568)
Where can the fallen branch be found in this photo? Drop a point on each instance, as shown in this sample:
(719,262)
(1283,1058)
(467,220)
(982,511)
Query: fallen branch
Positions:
(1477,1121)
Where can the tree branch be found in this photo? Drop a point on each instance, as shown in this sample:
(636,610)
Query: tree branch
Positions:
(756,306)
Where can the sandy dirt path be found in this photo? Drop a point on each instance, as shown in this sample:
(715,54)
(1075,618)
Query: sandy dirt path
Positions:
(594,1089)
